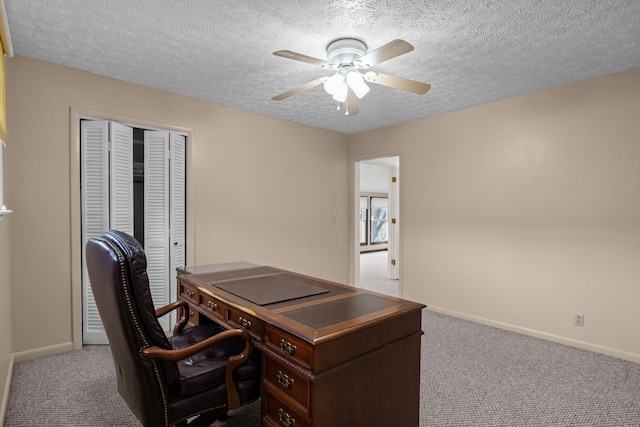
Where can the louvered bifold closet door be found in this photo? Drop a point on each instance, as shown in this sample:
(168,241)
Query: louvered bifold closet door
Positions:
(107,201)
(156,208)
(121,178)
(94,170)
(178,207)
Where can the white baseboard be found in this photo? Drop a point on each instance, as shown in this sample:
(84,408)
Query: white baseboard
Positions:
(632,357)
(5,394)
(43,351)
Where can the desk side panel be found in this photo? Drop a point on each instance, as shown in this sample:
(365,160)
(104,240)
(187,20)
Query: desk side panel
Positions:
(381,388)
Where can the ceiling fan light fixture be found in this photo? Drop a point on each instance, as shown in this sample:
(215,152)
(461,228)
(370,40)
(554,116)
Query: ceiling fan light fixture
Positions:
(340,94)
(333,83)
(357,84)
(348,84)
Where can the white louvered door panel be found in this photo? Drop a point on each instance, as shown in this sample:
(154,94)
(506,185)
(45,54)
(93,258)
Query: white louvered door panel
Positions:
(121,178)
(156,208)
(95,207)
(178,208)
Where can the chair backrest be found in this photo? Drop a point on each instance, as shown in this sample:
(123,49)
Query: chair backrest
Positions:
(117,271)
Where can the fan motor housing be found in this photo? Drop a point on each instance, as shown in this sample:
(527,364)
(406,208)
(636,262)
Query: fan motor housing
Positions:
(345,51)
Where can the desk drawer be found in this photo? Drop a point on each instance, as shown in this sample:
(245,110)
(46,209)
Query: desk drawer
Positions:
(281,414)
(245,321)
(188,292)
(289,346)
(212,306)
(287,381)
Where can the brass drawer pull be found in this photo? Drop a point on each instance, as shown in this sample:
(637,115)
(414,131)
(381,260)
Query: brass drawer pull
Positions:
(286,419)
(285,380)
(244,323)
(189,293)
(212,305)
(287,347)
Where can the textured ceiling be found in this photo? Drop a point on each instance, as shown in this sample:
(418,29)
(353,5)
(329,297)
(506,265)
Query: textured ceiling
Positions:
(471,52)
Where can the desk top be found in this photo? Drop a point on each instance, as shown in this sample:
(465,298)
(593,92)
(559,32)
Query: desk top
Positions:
(311,308)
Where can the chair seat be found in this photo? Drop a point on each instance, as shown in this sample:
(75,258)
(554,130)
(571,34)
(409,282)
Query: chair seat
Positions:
(206,369)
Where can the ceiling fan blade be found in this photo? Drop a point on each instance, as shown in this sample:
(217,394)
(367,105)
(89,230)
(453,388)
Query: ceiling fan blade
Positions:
(351,104)
(303,58)
(384,53)
(397,82)
(310,85)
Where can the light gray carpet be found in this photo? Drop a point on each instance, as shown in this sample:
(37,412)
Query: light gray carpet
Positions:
(373,274)
(472,375)
(475,375)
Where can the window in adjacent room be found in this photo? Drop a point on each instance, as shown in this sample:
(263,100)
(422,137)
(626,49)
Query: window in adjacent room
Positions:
(379,226)
(374,226)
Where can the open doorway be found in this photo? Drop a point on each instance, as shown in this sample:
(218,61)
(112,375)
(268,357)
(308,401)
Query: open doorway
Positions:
(378,197)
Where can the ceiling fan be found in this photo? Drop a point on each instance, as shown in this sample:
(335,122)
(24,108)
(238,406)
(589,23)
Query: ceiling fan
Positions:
(348,56)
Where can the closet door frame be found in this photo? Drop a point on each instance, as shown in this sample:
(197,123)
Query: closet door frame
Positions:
(76,114)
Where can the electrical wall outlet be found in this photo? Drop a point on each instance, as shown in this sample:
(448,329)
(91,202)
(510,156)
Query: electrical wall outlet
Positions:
(578,319)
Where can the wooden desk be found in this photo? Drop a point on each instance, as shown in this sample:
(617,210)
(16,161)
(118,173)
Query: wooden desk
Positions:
(333,355)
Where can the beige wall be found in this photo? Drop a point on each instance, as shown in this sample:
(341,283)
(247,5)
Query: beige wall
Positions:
(263,188)
(520,213)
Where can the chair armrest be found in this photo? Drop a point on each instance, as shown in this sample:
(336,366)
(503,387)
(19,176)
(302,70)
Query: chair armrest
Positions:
(182,322)
(155,352)
(233,398)
(171,306)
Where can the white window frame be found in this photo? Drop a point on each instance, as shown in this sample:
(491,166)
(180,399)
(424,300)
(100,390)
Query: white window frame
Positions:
(6,48)
(3,209)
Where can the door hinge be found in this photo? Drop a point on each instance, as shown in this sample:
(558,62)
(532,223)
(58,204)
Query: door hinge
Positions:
(393,179)
(393,220)
(393,262)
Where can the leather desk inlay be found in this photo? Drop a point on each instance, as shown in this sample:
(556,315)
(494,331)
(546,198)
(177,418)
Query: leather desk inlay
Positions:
(267,290)
(329,313)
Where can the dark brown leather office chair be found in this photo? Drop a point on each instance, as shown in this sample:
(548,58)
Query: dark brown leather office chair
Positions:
(198,372)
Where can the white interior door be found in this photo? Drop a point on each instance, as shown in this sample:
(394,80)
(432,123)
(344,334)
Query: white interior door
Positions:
(94,171)
(393,224)
(107,201)
(156,222)
(121,178)
(177,214)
